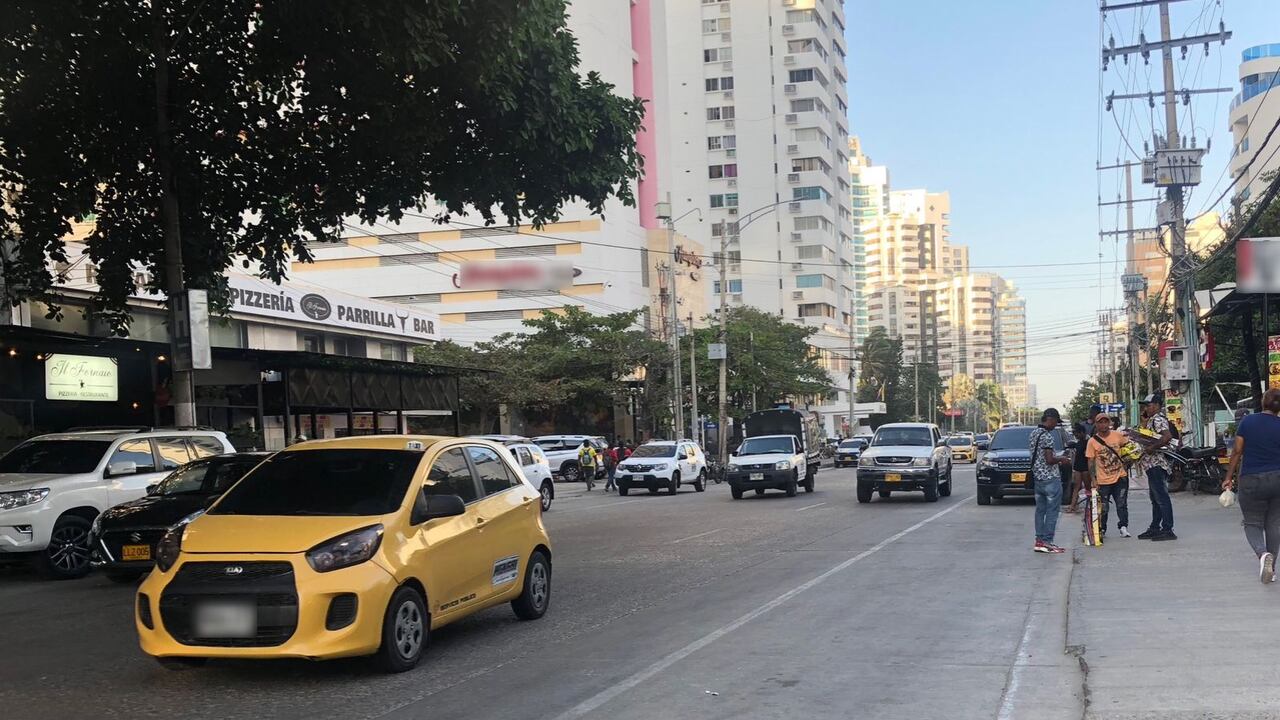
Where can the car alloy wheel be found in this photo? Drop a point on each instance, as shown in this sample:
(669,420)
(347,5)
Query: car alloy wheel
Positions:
(571,473)
(68,551)
(408,630)
(539,586)
(545,492)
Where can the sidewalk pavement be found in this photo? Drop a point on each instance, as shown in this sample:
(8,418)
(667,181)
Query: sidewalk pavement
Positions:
(1174,630)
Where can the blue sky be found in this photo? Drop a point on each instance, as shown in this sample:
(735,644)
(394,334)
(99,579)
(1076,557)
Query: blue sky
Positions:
(996,101)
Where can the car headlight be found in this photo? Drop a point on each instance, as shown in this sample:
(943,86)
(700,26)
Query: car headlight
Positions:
(18,498)
(922,462)
(731,467)
(170,545)
(95,529)
(782,465)
(866,461)
(345,550)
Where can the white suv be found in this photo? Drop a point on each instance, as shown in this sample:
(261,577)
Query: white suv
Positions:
(53,487)
(663,464)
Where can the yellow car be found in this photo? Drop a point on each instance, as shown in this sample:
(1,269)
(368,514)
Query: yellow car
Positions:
(357,546)
(962,449)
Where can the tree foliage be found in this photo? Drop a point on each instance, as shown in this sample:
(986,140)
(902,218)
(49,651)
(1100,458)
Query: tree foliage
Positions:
(1086,395)
(287,117)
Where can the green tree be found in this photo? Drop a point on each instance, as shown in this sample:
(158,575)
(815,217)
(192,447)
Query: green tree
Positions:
(931,391)
(992,405)
(201,134)
(1086,395)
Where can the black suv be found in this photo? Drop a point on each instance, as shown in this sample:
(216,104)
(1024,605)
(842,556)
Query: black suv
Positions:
(1005,468)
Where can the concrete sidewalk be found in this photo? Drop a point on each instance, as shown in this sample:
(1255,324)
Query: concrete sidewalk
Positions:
(1180,629)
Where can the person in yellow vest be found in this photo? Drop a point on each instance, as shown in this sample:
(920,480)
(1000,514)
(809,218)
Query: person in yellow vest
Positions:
(587,458)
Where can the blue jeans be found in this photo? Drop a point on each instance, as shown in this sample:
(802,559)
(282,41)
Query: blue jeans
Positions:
(1161,503)
(1048,505)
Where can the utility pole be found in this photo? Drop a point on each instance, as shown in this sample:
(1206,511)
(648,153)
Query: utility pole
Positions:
(696,424)
(1173,166)
(677,389)
(722,429)
(915,361)
(853,385)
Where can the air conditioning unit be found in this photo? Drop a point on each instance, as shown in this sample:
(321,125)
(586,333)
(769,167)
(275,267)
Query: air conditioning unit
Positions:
(793,207)
(735,267)
(728,124)
(793,178)
(733,211)
(797,295)
(788,29)
(789,89)
(793,149)
(731,153)
(726,37)
(788,59)
(724,9)
(797,237)
(792,118)
(797,266)
(736,297)
(733,182)
(727,65)
(728,94)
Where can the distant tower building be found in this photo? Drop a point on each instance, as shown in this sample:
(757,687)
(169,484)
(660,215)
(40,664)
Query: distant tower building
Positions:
(1251,120)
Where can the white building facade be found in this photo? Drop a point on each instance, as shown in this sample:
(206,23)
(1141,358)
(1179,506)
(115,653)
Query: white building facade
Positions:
(1251,120)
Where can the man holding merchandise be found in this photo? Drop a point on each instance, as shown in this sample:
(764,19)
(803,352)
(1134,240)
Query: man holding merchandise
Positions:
(1107,473)
(1156,435)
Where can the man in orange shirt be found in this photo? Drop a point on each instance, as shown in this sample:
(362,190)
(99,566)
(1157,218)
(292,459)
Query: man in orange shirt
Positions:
(1106,470)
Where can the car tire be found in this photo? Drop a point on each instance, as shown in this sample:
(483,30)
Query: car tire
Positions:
(406,629)
(535,598)
(793,486)
(984,496)
(570,472)
(931,491)
(125,577)
(674,487)
(885,494)
(67,556)
(945,489)
(864,493)
(181,664)
(736,492)
(700,484)
(548,493)
(623,490)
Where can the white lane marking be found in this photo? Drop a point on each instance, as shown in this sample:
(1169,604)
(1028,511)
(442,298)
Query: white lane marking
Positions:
(1020,662)
(597,507)
(595,701)
(694,537)
(810,507)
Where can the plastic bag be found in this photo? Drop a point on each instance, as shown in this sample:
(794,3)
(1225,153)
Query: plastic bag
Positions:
(1227,498)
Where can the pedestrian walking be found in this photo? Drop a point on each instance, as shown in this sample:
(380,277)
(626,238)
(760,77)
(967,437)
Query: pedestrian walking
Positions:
(1155,467)
(1255,472)
(1045,473)
(1079,465)
(611,461)
(1108,474)
(587,464)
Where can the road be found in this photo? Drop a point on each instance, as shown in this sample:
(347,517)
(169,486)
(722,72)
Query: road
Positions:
(694,606)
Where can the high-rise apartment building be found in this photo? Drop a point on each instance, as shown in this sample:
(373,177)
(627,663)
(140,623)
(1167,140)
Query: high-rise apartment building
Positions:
(869,200)
(757,143)
(1147,253)
(983,332)
(1251,119)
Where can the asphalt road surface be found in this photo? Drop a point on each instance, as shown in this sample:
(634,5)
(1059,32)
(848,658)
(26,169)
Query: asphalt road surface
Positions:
(693,606)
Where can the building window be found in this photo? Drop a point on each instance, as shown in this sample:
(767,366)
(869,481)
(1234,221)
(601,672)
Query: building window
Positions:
(813,192)
(720,113)
(815,310)
(815,281)
(722,171)
(735,286)
(350,346)
(723,54)
(799,76)
(311,342)
(812,222)
(726,200)
(719,83)
(716,25)
(808,164)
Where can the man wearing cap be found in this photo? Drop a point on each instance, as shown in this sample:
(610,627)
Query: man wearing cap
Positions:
(1156,467)
(1045,463)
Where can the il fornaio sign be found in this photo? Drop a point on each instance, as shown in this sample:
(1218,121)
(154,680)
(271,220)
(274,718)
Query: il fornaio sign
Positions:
(253,296)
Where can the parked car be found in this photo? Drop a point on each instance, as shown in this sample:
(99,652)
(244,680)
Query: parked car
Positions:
(340,548)
(562,454)
(1005,469)
(52,487)
(124,537)
(663,464)
(982,441)
(905,456)
(848,451)
(532,461)
(963,448)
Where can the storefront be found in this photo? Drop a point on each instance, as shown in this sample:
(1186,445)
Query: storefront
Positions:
(289,360)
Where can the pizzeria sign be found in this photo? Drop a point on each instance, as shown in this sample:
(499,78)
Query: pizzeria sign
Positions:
(253,296)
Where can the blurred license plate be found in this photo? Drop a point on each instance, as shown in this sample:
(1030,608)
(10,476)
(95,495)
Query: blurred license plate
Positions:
(226,619)
(1018,477)
(892,477)
(135,552)
(756,476)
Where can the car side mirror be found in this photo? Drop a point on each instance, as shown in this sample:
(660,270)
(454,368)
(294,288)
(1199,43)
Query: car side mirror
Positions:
(123,467)
(153,488)
(941,443)
(431,507)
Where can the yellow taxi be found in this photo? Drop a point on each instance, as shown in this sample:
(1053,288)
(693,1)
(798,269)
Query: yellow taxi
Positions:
(962,448)
(356,546)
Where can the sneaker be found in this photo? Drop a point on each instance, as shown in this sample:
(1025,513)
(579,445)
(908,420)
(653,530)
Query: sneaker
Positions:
(1041,547)
(1267,568)
(1149,533)
(1166,535)
(1124,531)
(1055,549)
